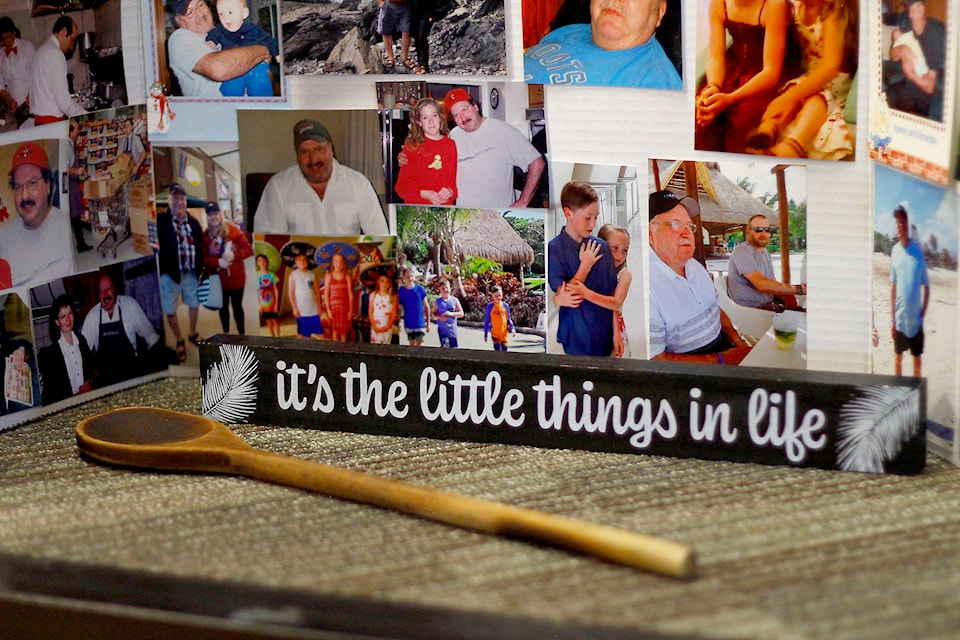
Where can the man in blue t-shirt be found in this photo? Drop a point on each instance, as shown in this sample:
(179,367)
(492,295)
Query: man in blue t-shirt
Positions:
(617,48)
(909,294)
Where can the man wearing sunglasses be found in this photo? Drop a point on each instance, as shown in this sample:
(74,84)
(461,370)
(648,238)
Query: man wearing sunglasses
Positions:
(750,278)
(686,321)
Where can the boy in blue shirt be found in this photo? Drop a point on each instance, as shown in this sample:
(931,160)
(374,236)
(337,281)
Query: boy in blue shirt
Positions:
(447,311)
(416,310)
(583,328)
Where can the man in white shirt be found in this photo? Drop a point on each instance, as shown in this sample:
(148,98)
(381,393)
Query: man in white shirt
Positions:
(15,61)
(200,69)
(487,152)
(37,244)
(318,195)
(111,329)
(50,99)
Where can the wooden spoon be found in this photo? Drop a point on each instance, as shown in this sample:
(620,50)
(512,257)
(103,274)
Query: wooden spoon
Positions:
(162,439)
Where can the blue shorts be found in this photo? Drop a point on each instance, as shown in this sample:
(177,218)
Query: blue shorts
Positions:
(393,16)
(309,326)
(448,341)
(171,292)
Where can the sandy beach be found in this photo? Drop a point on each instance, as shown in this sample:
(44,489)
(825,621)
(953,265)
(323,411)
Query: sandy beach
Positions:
(941,338)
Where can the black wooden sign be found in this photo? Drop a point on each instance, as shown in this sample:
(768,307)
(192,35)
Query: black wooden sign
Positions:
(769,416)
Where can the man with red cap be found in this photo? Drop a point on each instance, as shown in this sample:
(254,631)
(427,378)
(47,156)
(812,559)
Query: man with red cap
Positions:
(487,151)
(37,244)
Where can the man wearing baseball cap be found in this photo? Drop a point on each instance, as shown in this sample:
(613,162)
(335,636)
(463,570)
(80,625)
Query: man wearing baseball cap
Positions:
(318,195)
(181,261)
(488,150)
(198,68)
(37,244)
(686,321)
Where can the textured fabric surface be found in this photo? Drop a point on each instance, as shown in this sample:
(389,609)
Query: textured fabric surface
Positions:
(783,553)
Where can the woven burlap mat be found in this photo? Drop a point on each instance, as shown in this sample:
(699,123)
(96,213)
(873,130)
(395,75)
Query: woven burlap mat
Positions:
(783,553)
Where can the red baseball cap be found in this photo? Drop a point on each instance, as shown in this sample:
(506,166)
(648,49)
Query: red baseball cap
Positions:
(453,97)
(29,153)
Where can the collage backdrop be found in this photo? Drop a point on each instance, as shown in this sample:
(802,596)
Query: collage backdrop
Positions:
(597,126)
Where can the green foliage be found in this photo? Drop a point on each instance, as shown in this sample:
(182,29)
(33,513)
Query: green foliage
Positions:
(532,232)
(476,265)
(882,243)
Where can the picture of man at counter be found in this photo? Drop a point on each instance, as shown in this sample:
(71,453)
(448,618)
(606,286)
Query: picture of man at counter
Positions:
(50,99)
(60,61)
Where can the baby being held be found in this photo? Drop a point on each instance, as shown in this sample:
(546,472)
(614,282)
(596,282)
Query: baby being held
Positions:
(236,30)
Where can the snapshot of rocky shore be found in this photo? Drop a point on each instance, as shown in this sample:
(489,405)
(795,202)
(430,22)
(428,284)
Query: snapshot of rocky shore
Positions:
(340,37)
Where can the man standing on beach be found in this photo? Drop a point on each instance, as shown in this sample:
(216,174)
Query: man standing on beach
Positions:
(909,294)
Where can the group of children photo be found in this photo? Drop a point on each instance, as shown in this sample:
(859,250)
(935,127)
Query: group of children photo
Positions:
(344,299)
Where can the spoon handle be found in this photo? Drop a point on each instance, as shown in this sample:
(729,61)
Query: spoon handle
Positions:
(609,543)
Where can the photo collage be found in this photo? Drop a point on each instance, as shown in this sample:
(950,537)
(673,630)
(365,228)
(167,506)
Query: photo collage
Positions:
(429,174)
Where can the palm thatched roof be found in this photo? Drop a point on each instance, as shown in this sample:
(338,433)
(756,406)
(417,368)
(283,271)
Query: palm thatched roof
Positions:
(724,206)
(488,235)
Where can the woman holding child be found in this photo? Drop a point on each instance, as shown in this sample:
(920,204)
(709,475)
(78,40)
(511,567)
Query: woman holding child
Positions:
(430,173)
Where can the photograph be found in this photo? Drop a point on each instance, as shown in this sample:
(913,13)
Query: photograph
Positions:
(98,328)
(217,50)
(914,270)
(383,37)
(592,309)
(18,359)
(774,78)
(313,172)
(76,50)
(728,274)
(36,243)
(603,43)
(203,247)
(111,186)
(463,145)
(479,275)
(326,287)
(914,54)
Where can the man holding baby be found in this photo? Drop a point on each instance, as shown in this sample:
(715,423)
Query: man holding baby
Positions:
(199,68)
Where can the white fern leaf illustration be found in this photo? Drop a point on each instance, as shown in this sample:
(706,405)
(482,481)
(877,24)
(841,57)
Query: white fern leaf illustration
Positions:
(874,425)
(230,390)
